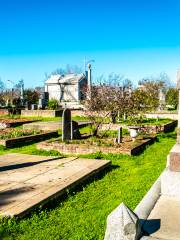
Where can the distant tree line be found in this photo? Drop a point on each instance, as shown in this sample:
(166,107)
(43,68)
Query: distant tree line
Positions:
(12,96)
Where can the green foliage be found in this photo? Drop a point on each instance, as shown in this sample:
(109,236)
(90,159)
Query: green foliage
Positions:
(82,216)
(52,104)
(31,96)
(172,97)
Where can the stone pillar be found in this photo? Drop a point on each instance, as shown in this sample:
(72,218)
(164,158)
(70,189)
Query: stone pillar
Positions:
(174,159)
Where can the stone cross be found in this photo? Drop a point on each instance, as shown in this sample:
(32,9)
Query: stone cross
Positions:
(66,125)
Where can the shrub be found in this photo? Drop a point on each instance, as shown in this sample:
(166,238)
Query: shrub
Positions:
(52,104)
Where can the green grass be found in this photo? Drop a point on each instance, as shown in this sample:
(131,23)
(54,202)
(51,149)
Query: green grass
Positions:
(148,121)
(82,216)
(32,118)
(30,149)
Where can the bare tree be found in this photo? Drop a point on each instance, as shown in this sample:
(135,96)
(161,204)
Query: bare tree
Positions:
(63,71)
(106,99)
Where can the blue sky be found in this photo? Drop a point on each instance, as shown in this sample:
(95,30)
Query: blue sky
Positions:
(135,38)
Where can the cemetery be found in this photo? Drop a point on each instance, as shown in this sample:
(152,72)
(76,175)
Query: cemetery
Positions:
(108,141)
(89,120)
(72,168)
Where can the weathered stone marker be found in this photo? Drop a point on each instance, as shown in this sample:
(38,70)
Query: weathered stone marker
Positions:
(66,125)
(120,135)
(122,224)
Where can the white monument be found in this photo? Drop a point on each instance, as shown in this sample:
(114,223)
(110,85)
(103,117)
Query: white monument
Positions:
(68,89)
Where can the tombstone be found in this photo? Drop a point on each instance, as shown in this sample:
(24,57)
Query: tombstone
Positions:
(113,116)
(45,98)
(40,103)
(66,125)
(33,106)
(119,135)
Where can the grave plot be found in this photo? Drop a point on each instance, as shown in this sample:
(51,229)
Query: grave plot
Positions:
(73,142)
(14,137)
(27,181)
(87,146)
(13,122)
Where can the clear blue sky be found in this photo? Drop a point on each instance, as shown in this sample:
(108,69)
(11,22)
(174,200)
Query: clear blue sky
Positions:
(136,38)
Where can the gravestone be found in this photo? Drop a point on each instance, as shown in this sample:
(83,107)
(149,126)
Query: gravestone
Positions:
(33,106)
(45,98)
(119,135)
(66,125)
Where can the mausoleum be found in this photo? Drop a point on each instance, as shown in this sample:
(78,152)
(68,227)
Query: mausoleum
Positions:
(68,89)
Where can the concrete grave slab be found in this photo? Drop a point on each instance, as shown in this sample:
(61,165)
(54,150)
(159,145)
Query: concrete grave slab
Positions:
(27,181)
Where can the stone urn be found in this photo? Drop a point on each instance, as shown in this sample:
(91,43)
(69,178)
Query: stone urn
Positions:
(133,132)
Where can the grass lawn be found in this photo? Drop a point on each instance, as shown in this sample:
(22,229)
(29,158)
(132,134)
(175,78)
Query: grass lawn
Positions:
(44,119)
(82,215)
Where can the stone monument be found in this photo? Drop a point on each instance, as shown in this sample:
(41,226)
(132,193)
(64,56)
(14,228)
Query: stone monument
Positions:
(70,129)
(66,125)
(119,135)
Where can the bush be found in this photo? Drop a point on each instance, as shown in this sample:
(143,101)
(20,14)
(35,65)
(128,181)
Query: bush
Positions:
(52,104)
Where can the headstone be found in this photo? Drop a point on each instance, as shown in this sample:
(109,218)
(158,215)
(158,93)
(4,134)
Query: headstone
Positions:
(66,125)
(33,106)
(113,116)
(40,103)
(119,135)
(45,98)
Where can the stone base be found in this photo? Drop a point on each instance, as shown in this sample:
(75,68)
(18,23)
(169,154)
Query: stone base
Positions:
(174,158)
(170,183)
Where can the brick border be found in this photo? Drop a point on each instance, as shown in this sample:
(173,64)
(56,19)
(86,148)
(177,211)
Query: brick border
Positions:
(77,149)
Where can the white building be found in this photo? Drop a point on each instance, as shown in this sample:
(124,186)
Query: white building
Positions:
(68,89)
